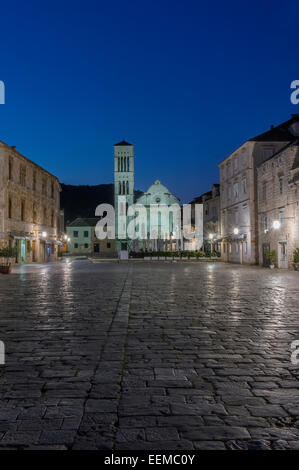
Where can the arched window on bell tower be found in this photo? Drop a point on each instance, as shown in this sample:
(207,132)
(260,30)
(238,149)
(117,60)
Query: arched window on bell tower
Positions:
(119,188)
(124,188)
(128,164)
(127,187)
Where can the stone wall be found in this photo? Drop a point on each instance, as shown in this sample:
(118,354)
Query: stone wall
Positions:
(29,207)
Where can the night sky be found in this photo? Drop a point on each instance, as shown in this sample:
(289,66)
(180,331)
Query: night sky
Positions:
(185,81)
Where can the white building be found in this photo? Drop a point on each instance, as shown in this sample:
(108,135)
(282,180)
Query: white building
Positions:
(168,231)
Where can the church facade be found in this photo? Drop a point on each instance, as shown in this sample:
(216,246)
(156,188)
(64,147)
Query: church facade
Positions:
(164,226)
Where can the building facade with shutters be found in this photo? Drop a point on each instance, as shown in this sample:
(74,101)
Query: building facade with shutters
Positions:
(82,239)
(30,217)
(278,206)
(239,191)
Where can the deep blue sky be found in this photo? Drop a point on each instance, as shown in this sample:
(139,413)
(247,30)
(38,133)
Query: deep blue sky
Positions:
(185,81)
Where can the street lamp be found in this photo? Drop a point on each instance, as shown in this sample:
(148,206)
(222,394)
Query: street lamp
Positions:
(236,231)
(44,234)
(276,224)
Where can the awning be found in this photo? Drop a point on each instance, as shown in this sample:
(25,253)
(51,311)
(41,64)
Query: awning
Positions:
(22,235)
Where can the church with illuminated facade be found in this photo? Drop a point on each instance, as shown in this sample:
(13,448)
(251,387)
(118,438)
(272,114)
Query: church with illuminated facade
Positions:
(156,195)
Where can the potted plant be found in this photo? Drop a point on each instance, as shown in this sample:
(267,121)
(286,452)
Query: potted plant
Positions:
(271,255)
(296,259)
(6,253)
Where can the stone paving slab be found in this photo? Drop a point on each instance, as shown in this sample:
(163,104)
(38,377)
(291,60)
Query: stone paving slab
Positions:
(155,356)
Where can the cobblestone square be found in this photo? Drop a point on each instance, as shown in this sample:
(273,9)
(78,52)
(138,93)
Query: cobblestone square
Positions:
(149,356)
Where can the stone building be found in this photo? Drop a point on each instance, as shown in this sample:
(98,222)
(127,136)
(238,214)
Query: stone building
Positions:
(238,193)
(278,205)
(211,218)
(30,218)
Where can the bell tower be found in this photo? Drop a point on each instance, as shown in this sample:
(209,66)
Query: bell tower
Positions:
(123,184)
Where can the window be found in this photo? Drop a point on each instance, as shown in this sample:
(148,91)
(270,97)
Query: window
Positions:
(75,245)
(22,211)
(236,190)
(52,190)
(86,245)
(10,169)
(128,164)
(235,164)
(281,185)
(118,164)
(52,218)
(127,187)
(244,185)
(119,188)
(44,186)
(75,233)
(45,216)
(85,233)
(9,209)
(264,191)
(108,245)
(34,213)
(22,175)
(124,187)
(265,222)
(34,181)
(281,218)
